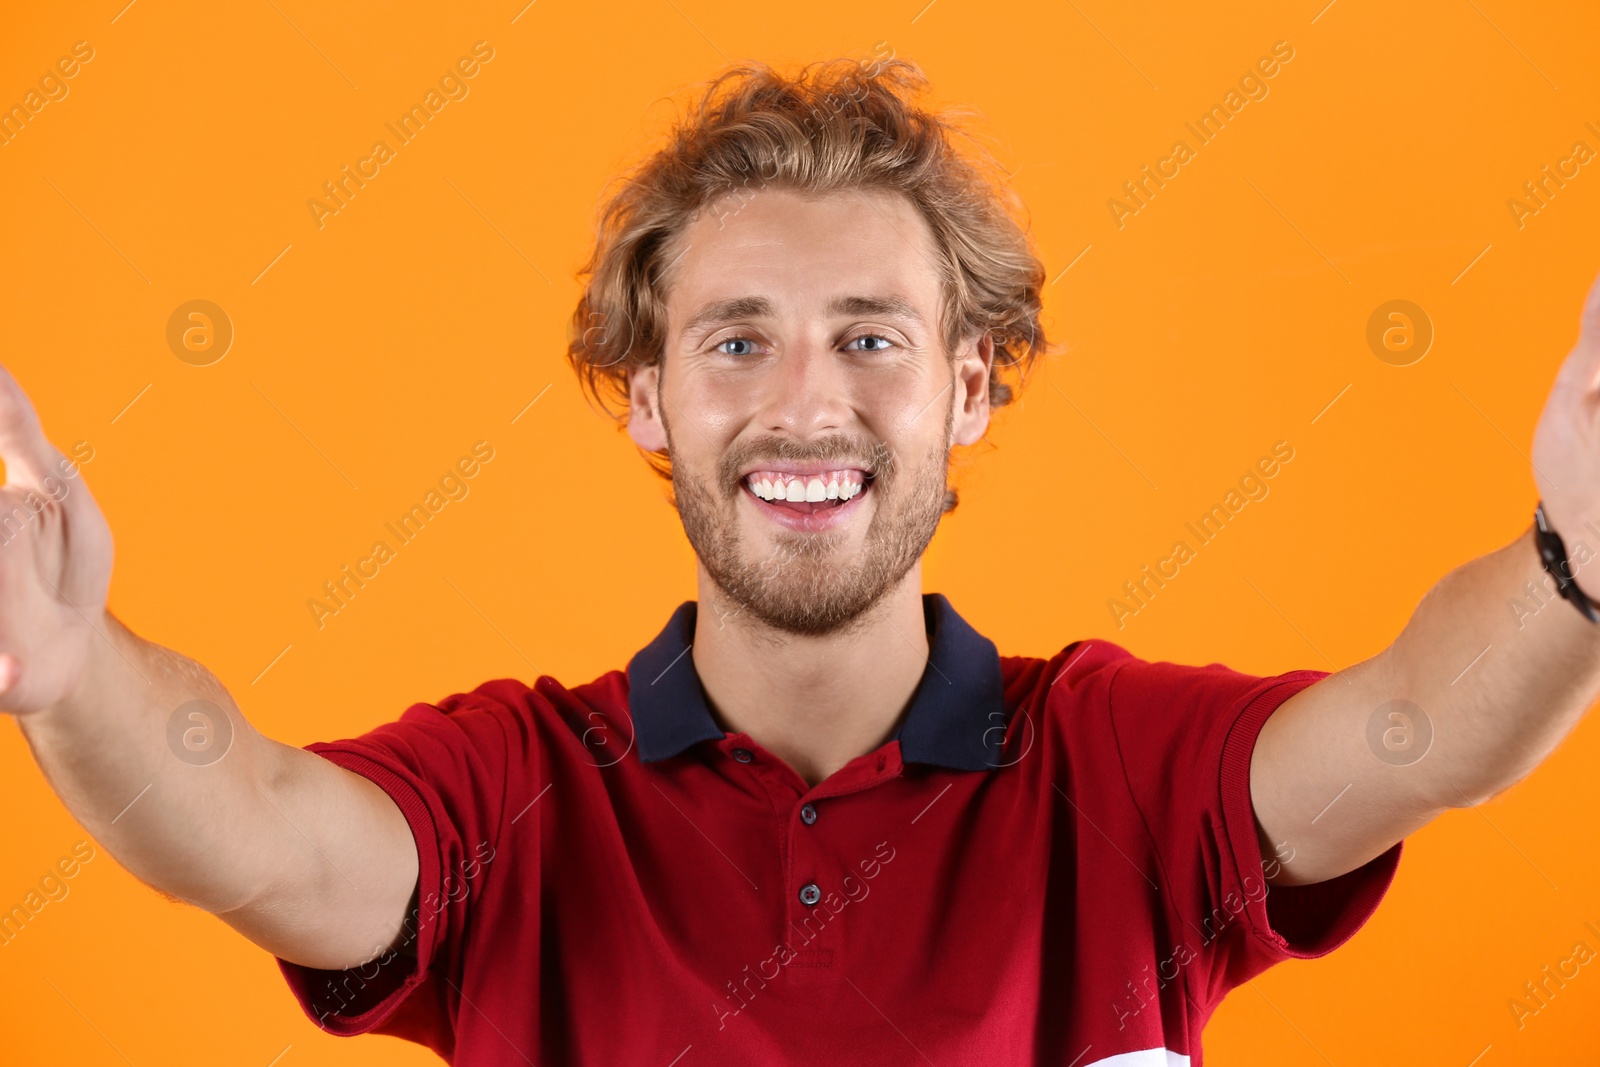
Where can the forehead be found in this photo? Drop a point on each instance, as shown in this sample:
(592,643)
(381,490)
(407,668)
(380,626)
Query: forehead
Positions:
(803,252)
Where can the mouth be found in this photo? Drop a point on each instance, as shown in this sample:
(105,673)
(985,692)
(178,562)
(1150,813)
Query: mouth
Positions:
(810,501)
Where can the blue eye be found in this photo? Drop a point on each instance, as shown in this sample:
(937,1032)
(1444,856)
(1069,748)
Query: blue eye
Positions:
(734,341)
(884,344)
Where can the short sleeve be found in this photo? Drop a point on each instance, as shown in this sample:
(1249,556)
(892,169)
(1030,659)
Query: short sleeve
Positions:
(1185,735)
(445,766)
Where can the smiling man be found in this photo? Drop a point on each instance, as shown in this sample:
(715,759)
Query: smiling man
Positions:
(808,407)
(819,818)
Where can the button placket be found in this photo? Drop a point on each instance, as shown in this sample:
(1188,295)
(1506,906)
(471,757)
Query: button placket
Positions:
(814,921)
(809,893)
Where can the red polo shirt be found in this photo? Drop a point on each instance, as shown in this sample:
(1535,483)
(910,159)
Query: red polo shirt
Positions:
(1051,861)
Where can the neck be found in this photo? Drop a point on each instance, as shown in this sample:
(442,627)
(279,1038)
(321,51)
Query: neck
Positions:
(814,702)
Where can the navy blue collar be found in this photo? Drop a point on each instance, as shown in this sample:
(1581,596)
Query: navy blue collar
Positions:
(957,709)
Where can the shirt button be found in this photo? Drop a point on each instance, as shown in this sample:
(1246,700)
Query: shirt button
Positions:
(810,894)
(808,814)
(742,755)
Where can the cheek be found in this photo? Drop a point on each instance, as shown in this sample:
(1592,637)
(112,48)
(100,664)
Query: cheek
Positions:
(715,406)
(704,420)
(911,411)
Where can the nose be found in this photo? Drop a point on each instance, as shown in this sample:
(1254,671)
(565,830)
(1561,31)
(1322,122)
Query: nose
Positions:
(807,393)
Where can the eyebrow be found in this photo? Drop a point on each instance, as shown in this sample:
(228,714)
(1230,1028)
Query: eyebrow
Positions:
(755,307)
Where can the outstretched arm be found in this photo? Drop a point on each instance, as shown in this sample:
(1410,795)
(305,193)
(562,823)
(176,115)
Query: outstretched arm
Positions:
(1474,693)
(120,727)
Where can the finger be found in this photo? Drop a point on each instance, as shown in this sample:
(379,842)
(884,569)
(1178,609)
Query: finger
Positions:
(10,671)
(28,457)
(1578,378)
(1582,366)
(1590,334)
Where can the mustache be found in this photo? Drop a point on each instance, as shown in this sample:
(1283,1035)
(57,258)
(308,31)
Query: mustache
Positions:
(875,457)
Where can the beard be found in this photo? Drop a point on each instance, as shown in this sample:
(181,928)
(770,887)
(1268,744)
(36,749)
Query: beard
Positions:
(807,584)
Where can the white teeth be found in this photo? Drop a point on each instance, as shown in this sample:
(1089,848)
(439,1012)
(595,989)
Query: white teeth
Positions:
(834,486)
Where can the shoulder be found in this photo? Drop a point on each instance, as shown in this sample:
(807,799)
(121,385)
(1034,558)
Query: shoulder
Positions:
(503,717)
(1103,673)
(1056,705)
(549,706)
(1095,691)
(1067,682)
(1064,674)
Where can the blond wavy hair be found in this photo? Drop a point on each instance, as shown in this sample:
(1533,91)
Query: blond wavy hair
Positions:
(840,124)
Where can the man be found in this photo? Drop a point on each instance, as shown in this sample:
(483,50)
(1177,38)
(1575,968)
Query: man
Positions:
(818,819)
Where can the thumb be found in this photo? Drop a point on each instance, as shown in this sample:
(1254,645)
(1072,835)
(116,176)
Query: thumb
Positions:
(28,457)
(1589,329)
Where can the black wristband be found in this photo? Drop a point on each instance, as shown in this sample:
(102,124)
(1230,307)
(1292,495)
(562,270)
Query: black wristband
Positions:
(1553,554)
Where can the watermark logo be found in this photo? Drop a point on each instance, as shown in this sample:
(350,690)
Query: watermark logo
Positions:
(1399,333)
(1399,732)
(199,333)
(199,732)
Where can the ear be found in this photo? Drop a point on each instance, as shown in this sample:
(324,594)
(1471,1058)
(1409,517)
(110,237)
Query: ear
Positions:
(644,420)
(972,390)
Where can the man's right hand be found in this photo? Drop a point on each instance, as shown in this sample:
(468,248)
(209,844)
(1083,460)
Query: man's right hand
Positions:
(55,563)
(247,836)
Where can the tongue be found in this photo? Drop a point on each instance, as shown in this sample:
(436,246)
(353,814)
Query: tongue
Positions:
(806,507)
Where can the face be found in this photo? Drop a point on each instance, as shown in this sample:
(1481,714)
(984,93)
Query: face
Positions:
(807,402)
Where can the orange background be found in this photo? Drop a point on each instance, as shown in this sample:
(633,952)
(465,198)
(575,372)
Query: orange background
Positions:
(427,314)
